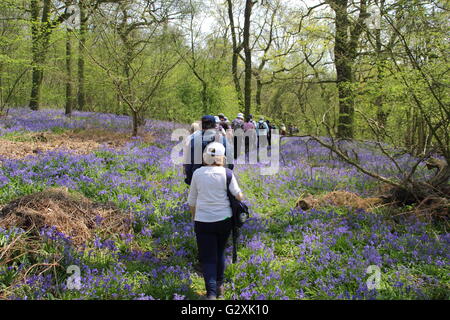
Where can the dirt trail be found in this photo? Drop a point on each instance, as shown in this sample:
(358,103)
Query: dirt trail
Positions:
(75,141)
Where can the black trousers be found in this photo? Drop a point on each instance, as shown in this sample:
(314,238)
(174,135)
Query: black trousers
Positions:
(212,238)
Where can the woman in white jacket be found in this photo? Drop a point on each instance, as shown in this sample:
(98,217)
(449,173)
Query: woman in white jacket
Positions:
(211,212)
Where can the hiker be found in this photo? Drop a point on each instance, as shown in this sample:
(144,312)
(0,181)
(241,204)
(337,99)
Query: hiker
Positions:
(262,126)
(211,212)
(251,119)
(221,116)
(195,126)
(272,128)
(283,129)
(223,122)
(219,127)
(199,139)
(226,125)
(250,134)
(237,124)
(248,124)
(292,129)
(262,130)
(269,132)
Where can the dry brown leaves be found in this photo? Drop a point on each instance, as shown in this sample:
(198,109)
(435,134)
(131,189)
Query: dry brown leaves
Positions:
(338,199)
(75,141)
(70,213)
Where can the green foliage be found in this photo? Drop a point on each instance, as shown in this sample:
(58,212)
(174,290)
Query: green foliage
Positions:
(387,85)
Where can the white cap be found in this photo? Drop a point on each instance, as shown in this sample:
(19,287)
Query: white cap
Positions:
(215,149)
(217,119)
(240,115)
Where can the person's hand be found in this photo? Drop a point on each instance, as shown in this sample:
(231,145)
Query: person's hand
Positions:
(240,196)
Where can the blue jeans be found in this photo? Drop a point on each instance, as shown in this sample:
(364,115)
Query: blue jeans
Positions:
(212,238)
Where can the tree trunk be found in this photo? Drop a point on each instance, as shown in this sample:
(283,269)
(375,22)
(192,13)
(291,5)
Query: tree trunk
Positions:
(124,35)
(382,115)
(36,82)
(121,109)
(379,100)
(259,86)
(69,89)
(81,51)
(421,135)
(409,129)
(135,122)
(248,57)
(436,188)
(442,174)
(234,60)
(1,88)
(344,72)
(40,37)
(36,74)
(236,82)
(205,97)
(345,53)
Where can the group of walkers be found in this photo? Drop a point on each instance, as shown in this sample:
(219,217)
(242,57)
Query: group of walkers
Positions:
(207,167)
(258,134)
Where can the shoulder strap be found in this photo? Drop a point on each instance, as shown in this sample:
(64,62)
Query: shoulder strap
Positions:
(235,231)
(192,149)
(229,174)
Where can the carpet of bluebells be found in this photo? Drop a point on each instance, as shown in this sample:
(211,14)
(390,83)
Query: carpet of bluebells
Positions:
(285,253)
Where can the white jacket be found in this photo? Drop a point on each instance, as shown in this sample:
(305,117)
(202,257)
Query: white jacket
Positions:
(208,193)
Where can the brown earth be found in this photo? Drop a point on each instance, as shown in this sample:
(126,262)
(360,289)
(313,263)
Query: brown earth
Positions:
(75,141)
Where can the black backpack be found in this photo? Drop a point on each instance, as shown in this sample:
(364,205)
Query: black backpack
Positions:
(261,125)
(191,167)
(240,214)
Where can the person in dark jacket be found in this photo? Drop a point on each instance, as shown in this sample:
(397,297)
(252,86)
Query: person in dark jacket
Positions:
(196,142)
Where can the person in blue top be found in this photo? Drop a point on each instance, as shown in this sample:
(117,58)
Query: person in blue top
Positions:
(262,132)
(261,126)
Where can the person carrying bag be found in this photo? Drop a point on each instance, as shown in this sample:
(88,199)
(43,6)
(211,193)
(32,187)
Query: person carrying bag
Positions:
(211,210)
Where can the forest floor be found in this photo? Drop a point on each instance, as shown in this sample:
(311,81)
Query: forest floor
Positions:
(21,145)
(285,252)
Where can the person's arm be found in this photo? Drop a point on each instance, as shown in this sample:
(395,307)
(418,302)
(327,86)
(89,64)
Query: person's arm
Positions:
(193,194)
(235,190)
(187,150)
(192,208)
